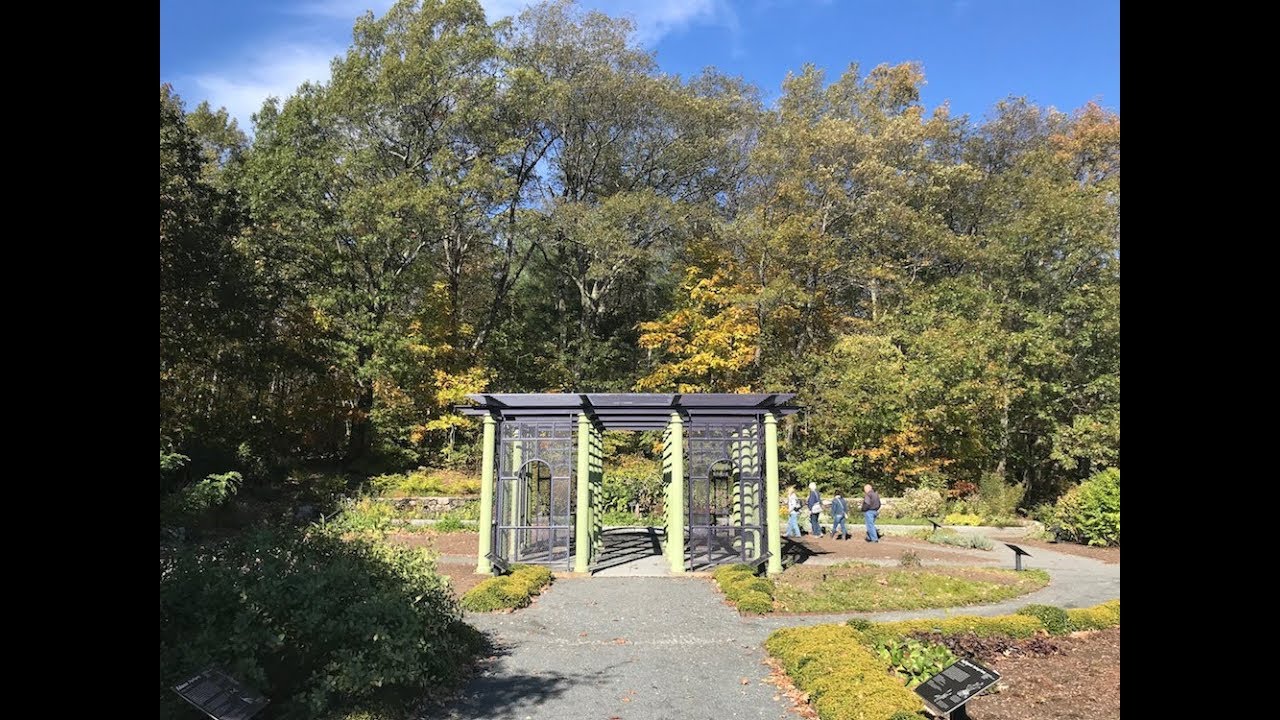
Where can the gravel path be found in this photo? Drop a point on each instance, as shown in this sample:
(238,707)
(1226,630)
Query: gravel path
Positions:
(632,648)
(652,648)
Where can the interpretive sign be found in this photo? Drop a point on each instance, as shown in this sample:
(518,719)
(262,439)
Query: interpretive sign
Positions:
(1017,555)
(221,696)
(959,683)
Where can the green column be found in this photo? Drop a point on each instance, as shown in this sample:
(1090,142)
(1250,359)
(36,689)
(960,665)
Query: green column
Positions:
(772,496)
(582,541)
(675,528)
(486,496)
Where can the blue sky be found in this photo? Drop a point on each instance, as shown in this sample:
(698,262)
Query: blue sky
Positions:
(235,53)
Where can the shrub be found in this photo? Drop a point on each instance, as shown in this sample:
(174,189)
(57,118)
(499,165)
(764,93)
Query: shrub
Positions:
(964,540)
(722,573)
(999,498)
(508,592)
(755,602)
(317,623)
(859,624)
(1090,512)
(738,585)
(1098,617)
(910,558)
(845,680)
(450,523)
(921,503)
(1016,626)
(992,648)
(426,482)
(962,489)
(914,661)
(631,481)
(211,492)
(962,519)
(1054,619)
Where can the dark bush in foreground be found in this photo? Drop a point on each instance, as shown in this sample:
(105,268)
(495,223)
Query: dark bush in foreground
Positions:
(319,624)
(1054,619)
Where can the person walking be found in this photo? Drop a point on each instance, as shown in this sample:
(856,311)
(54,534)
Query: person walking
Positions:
(870,509)
(815,508)
(793,508)
(839,508)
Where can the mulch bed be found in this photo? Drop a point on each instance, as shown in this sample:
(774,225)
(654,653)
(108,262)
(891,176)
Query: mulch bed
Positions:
(1082,683)
(1109,555)
(458,543)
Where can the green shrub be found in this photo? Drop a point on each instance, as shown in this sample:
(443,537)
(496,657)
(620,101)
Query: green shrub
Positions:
(1015,626)
(365,515)
(1098,617)
(845,680)
(964,540)
(999,498)
(859,624)
(631,480)
(755,602)
(918,502)
(211,492)
(914,661)
(450,523)
(1090,512)
(1054,619)
(909,558)
(425,482)
(508,592)
(722,573)
(318,623)
(962,519)
(739,584)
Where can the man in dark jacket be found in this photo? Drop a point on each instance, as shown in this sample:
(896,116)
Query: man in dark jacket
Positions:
(870,509)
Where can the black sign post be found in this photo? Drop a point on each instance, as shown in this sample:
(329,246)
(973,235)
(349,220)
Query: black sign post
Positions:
(1017,555)
(946,693)
(220,696)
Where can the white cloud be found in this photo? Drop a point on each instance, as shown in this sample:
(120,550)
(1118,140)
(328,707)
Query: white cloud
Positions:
(286,61)
(277,71)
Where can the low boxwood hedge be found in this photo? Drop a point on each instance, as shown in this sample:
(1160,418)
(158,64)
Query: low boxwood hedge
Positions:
(844,678)
(508,592)
(741,587)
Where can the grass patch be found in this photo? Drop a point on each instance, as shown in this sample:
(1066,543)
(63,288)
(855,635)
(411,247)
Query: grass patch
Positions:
(508,592)
(874,589)
(963,540)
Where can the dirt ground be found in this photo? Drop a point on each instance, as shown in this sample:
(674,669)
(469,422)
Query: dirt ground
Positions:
(459,543)
(890,547)
(1081,684)
(1109,555)
(463,577)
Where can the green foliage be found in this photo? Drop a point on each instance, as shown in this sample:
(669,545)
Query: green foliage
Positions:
(910,558)
(920,503)
(318,623)
(869,589)
(425,482)
(1090,512)
(844,679)
(754,603)
(365,515)
(1098,617)
(213,491)
(630,481)
(508,592)
(1054,619)
(534,204)
(962,519)
(914,661)
(1015,626)
(964,540)
(450,523)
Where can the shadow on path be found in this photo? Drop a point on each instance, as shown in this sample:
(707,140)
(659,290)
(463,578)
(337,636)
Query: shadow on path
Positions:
(626,545)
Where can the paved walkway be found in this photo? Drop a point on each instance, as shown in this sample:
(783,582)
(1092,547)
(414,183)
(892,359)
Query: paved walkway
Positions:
(652,648)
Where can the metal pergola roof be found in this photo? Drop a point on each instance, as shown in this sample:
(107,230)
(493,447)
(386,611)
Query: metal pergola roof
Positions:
(629,411)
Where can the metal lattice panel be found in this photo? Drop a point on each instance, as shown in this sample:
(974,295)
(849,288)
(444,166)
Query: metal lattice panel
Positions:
(536,501)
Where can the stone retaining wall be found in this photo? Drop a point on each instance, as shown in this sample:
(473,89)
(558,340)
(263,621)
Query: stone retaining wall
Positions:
(430,505)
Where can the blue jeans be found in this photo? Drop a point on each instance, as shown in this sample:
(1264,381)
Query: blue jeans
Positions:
(838,526)
(813,524)
(870,516)
(793,524)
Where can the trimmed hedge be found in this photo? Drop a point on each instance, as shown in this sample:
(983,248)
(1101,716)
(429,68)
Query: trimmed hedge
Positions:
(742,588)
(508,592)
(845,679)
(1098,617)
(1016,626)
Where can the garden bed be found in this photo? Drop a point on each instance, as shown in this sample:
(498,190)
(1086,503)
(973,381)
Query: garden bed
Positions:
(866,588)
(889,548)
(454,543)
(1080,683)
